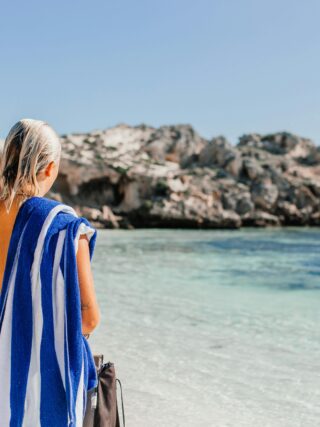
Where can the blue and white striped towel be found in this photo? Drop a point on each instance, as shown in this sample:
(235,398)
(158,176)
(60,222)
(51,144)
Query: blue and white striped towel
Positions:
(46,365)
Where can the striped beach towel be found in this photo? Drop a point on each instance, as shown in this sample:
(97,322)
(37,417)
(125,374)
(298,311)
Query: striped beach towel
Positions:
(46,365)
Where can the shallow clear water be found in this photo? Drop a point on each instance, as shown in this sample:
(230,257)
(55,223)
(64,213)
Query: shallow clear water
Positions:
(212,328)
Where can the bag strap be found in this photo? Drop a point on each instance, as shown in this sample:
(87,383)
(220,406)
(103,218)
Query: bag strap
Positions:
(122,406)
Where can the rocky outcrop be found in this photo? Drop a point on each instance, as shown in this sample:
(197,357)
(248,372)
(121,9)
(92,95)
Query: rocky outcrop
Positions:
(172,177)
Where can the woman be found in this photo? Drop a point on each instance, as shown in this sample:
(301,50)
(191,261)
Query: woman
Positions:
(48,305)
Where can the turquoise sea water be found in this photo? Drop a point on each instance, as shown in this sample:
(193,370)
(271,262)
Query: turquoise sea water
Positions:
(212,328)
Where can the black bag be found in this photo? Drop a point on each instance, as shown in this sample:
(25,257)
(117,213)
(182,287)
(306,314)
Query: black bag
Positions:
(102,407)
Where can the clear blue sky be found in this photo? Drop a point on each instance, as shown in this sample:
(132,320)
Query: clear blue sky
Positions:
(225,66)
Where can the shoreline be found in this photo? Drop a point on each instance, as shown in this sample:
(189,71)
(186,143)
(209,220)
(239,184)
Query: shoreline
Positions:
(167,226)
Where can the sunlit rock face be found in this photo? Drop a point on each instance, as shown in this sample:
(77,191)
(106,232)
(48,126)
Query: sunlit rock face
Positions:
(140,176)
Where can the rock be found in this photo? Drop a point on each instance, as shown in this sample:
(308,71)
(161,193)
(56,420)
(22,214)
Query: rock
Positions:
(177,185)
(230,219)
(171,177)
(236,198)
(219,152)
(222,219)
(315,219)
(229,202)
(250,140)
(312,157)
(252,169)
(290,213)
(279,143)
(260,219)
(110,218)
(314,188)
(175,143)
(304,197)
(131,199)
(264,194)
(90,213)
(194,211)
(244,205)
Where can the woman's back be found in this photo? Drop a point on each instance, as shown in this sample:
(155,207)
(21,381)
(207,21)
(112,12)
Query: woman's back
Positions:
(7,222)
(40,320)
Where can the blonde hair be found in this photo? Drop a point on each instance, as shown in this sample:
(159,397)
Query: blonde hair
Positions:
(28,148)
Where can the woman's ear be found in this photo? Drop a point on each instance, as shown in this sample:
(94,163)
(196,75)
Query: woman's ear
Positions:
(49,168)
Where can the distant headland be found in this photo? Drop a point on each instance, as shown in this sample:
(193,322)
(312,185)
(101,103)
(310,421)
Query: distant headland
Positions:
(140,176)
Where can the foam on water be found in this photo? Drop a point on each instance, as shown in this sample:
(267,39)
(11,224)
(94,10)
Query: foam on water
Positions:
(212,328)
